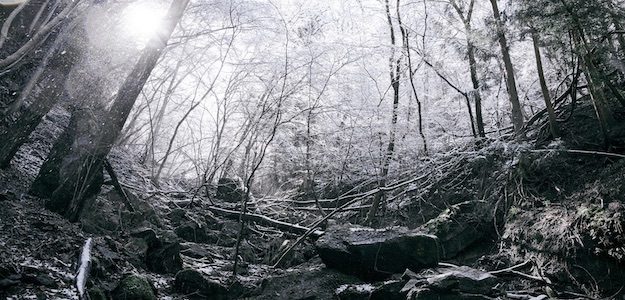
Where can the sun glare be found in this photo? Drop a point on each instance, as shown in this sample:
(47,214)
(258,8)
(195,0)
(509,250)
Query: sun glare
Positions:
(142,20)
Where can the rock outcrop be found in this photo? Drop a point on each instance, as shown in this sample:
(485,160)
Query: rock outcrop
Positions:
(376,254)
(230,189)
(134,287)
(459,227)
(190,281)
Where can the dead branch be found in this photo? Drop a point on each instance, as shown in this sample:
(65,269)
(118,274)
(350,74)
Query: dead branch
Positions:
(117,186)
(84,264)
(518,266)
(616,155)
(294,228)
(344,206)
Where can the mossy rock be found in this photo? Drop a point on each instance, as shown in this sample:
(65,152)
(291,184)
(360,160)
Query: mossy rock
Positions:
(96,294)
(134,287)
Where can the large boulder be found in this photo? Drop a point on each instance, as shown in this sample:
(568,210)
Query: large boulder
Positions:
(373,254)
(164,259)
(190,281)
(314,282)
(134,287)
(230,189)
(459,227)
(440,283)
(194,232)
(464,279)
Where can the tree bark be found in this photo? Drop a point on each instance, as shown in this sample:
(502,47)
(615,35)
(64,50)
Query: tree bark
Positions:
(475,94)
(543,87)
(42,91)
(517,115)
(390,150)
(80,170)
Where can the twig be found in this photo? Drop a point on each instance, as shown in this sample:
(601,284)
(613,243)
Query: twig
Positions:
(264,220)
(109,169)
(580,152)
(506,270)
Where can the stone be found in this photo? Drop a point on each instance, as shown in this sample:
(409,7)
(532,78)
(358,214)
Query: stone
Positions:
(134,287)
(190,281)
(459,227)
(314,282)
(164,258)
(376,254)
(146,234)
(40,279)
(354,292)
(464,279)
(193,232)
(96,294)
(196,251)
(137,249)
(389,290)
(230,189)
(177,216)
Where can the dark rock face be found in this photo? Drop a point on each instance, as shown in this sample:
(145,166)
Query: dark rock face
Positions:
(376,254)
(448,283)
(311,283)
(464,279)
(177,216)
(230,189)
(146,234)
(459,227)
(163,254)
(191,281)
(193,232)
(165,258)
(134,287)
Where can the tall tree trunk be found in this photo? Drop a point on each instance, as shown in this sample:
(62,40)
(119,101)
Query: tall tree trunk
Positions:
(475,94)
(517,115)
(477,97)
(81,166)
(543,87)
(406,41)
(41,92)
(395,76)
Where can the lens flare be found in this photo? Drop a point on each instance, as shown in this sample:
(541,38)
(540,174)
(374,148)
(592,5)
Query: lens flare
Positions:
(142,20)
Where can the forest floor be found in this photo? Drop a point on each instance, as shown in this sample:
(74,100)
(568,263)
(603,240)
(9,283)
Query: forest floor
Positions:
(555,210)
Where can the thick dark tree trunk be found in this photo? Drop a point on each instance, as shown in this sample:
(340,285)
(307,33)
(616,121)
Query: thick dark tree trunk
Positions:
(41,93)
(77,163)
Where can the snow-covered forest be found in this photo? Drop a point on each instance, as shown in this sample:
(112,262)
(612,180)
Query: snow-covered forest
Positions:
(319,149)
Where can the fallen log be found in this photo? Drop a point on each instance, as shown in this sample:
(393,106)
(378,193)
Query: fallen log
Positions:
(264,220)
(84,266)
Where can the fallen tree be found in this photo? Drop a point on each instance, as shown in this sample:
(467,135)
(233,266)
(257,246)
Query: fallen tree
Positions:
(264,220)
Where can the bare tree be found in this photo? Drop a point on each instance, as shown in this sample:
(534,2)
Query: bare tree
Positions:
(543,87)
(395,75)
(517,114)
(466,17)
(42,91)
(81,166)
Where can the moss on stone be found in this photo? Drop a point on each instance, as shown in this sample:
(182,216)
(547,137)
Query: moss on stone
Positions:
(134,287)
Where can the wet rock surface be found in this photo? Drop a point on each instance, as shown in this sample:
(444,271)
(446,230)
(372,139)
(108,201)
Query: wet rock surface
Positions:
(193,282)
(442,283)
(134,287)
(230,189)
(459,227)
(375,254)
